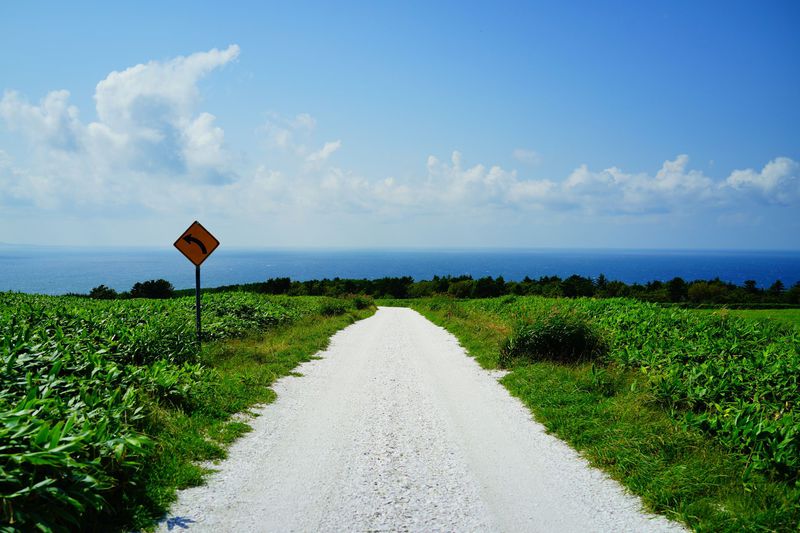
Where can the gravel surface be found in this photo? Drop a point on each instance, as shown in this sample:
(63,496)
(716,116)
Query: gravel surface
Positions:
(396,429)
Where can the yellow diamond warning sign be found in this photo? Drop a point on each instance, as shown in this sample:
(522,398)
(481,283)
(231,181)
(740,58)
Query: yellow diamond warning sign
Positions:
(196,243)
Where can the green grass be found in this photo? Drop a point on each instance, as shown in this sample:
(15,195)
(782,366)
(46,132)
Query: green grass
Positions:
(246,368)
(618,419)
(106,406)
(786,316)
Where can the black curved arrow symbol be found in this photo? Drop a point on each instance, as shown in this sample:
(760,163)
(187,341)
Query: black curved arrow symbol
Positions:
(189,240)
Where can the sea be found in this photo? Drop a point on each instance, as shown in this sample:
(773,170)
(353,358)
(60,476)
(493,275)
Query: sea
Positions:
(61,270)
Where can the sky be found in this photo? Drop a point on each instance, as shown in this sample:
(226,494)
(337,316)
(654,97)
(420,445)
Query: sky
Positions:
(463,124)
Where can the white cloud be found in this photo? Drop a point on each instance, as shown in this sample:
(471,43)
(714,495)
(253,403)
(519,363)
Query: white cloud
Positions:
(146,95)
(534,191)
(673,178)
(146,131)
(673,188)
(203,144)
(20,187)
(289,142)
(325,152)
(53,122)
(529,157)
(614,191)
(149,141)
(778,182)
(456,185)
(290,135)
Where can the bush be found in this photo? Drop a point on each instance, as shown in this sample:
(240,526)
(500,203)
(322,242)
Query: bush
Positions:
(155,288)
(101,292)
(461,289)
(333,307)
(362,302)
(561,336)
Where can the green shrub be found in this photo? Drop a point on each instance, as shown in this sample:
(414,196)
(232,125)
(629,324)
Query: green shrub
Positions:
(154,288)
(333,307)
(363,302)
(461,289)
(560,336)
(101,292)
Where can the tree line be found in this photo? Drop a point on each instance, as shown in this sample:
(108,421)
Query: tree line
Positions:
(675,291)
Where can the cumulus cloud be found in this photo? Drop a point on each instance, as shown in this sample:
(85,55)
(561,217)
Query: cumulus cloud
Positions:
(454,183)
(18,187)
(778,182)
(53,122)
(614,191)
(146,128)
(146,95)
(149,141)
(674,187)
(325,152)
(203,144)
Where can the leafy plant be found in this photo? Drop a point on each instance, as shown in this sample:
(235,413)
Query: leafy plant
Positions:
(80,381)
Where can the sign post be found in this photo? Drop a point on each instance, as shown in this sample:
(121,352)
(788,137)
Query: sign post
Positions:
(196,243)
(197,301)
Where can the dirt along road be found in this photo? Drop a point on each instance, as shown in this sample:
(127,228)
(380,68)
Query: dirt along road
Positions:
(395,428)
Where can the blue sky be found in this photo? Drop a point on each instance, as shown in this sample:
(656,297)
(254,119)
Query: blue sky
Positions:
(592,124)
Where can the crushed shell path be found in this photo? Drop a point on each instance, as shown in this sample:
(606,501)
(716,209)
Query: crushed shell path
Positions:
(395,428)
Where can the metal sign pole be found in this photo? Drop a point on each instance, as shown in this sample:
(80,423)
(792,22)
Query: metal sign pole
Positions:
(197,300)
(196,244)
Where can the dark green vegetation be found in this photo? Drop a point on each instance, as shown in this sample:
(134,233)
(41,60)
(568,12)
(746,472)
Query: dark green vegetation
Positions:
(556,335)
(789,317)
(154,288)
(105,406)
(696,412)
(676,291)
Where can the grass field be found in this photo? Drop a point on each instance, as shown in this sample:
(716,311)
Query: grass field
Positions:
(696,413)
(107,406)
(786,316)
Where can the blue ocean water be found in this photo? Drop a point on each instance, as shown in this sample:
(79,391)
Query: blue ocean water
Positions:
(57,270)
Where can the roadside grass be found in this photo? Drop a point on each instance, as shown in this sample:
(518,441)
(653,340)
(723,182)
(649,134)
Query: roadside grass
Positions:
(108,407)
(244,369)
(786,316)
(606,413)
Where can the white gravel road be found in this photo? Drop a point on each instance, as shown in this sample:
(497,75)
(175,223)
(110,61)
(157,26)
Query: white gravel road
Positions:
(396,429)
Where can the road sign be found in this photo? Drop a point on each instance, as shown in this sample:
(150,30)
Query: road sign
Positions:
(196,243)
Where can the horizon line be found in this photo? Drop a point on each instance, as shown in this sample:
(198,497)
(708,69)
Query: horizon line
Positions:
(409,248)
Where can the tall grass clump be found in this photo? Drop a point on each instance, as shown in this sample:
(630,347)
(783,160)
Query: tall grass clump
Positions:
(561,336)
(333,307)
(362,301)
